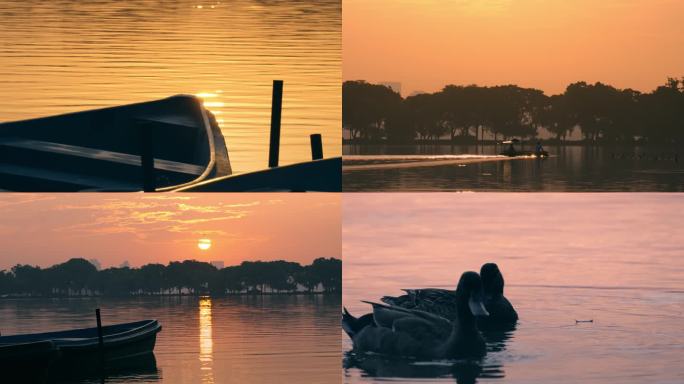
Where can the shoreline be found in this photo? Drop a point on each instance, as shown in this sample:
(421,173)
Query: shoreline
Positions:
(547,142)
(171,295)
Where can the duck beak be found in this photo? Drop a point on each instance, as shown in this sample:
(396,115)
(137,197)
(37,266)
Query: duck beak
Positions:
(477,307)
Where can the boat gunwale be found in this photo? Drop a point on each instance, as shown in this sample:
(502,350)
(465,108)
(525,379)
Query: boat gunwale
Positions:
(212,150)
(145,329)
(208,168)
(260,172)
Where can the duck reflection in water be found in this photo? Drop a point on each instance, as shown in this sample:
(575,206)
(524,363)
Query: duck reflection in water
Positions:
(498,337)
(463,371)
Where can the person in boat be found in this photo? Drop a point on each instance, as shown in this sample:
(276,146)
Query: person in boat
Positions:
(538,149)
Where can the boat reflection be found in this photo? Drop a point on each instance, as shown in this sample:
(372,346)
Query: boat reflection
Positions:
(206,342)
(143,368)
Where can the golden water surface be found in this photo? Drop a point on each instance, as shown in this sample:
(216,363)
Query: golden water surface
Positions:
(65,56)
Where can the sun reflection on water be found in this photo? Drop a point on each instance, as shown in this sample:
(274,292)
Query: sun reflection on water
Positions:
(206,341)
(210,102)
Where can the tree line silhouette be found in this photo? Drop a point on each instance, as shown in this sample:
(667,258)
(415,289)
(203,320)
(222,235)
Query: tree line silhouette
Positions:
(603,113)
(78,277)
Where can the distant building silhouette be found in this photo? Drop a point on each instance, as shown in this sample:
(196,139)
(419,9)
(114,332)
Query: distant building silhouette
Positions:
(217,263)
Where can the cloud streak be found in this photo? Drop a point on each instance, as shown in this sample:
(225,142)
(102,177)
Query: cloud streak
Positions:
(50,228)
(144,216)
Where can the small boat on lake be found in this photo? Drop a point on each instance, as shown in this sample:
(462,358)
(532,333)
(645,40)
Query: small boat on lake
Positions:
(78,350)
(163,145)
(27,362)
(511,151)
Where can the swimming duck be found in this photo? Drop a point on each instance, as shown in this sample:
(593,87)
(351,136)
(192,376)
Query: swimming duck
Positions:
(414,333)
(500,309)
(442,302)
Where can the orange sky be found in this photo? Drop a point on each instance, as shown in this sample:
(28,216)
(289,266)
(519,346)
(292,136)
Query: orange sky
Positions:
(425,44)
(45,229)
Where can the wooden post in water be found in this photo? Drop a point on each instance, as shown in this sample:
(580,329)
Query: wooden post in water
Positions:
(276,109)
(100,338)
(316,146)
(145,129)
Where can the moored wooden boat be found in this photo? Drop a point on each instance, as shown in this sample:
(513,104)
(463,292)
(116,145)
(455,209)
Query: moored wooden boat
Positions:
(79,349)
(101,149)
(173,144)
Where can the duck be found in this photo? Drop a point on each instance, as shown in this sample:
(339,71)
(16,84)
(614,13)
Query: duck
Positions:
(500,309)
(405,332)
(442,302)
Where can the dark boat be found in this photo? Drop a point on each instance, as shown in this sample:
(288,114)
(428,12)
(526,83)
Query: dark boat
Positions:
(173,144)
(27,362)
(101,149)
(511,151)
(79,349)
(540,154)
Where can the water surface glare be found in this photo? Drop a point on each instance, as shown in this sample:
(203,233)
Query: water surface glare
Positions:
(208,340)
(616,259)
(65,56)
(569,168)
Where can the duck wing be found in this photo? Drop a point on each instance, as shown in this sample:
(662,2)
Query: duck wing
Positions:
(402,332)
(405,301)
(404,319)
(387,341)
(440,302)
(425,331)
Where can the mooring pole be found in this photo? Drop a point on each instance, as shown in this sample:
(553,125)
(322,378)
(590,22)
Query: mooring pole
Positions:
(316,146)
(276,109)
(147,156)
(100,339)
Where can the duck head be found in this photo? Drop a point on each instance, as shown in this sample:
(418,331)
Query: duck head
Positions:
(492,279)
(470,288)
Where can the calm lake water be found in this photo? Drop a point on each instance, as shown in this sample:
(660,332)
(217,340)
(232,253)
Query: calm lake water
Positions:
(569,168)
(265,339)
(616,259)
(65,56)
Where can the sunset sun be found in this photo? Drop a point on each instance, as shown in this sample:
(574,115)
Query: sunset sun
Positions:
(204,244)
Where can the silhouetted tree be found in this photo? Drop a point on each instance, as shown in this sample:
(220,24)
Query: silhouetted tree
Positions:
(329,273)
(152,277)
(79,277)
(367,106)
(601,112)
